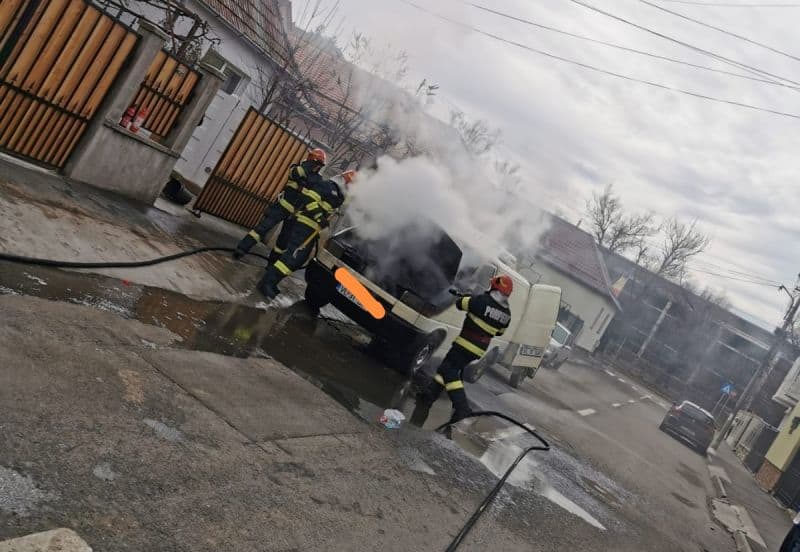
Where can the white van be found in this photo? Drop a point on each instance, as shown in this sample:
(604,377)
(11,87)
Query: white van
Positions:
(415,286)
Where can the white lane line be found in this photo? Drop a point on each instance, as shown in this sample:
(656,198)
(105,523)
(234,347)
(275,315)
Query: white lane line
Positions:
(645,397)
(587,411)
(610,373)
(631,401)
(634,388)
(616,405)
(622,380)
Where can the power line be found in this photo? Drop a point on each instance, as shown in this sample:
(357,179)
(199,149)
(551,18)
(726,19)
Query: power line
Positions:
(738,273)
(721,30)
(734,278)
(719,57)
(731,5)
(603,71)
(625,48)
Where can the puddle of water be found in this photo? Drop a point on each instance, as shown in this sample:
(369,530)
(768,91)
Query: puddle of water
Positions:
(284,331)
(497,456)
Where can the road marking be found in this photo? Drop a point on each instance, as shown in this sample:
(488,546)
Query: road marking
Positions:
(622,380)
(616,405)
(634,388)
(631,401)
(610,373)
(645,397)
(587,412)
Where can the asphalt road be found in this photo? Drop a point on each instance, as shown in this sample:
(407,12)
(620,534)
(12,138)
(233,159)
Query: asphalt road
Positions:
(642,484)
(612,481)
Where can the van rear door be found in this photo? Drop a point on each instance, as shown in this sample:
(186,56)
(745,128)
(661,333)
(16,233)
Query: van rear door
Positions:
(536,325)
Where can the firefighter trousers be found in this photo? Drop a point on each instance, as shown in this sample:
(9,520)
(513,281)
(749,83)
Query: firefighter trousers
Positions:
(273,216)
(298,240)
(448,378)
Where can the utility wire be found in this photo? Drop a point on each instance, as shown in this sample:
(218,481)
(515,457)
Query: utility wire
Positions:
(731,5)
(734,278)
(711,266)
(625,48)
(719,57)
(599,70)
(721,30)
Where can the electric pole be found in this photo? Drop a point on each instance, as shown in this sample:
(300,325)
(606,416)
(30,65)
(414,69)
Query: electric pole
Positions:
(764,369)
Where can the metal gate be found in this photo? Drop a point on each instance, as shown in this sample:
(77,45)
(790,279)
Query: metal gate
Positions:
(58,59)
(252,171)
(787,489)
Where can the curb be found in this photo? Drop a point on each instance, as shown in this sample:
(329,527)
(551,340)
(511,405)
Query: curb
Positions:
(742,545)
(719,486)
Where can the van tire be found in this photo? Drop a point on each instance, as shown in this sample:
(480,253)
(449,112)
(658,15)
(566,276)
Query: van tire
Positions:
(314,300)
(410,360)
(474,371)
(518,374)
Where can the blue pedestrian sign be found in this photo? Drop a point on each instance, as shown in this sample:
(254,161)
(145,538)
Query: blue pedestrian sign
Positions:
(727,388)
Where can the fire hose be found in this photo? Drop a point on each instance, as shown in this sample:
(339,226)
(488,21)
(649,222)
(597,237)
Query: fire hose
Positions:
(543,446)
(117,264)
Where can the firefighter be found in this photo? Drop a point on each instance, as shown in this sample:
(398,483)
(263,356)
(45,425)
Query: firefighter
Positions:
(300,233)
(302,177)
(488,315)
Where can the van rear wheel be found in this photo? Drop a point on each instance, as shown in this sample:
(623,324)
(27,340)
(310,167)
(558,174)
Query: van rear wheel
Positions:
(517,375)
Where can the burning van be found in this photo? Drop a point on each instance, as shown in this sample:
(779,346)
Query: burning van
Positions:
(411,273)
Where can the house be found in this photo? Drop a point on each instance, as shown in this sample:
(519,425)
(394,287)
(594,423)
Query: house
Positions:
(569,258)
(689,345)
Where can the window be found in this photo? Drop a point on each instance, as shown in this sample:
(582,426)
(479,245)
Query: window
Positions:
(560,334)
(233,77)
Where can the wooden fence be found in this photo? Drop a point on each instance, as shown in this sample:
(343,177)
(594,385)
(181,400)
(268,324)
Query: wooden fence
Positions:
(166,90)
(58,60)
(252,171)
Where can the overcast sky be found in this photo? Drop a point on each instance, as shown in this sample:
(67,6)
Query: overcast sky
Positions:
(575,130)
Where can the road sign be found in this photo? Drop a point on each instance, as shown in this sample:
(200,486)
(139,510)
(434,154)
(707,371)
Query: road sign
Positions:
(727,388)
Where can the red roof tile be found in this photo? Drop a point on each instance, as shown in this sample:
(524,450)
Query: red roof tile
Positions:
(574,252)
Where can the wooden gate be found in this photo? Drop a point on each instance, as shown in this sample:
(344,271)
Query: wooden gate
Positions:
(58,59)
(166,90)
(252,171)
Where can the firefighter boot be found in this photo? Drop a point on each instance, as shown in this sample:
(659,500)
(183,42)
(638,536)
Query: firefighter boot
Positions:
(246,244)
(425,401)
(268,285)
(461,408)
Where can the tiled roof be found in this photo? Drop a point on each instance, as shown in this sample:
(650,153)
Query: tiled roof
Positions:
(574,252)
(257,20)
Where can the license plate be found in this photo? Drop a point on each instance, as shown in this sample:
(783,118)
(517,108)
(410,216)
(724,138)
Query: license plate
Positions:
(344,291)
(527,350)
(687,431)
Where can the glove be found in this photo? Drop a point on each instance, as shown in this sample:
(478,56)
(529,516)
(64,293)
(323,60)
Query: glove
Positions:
(238,254)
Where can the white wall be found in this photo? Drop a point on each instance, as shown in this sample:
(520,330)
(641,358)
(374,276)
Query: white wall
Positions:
(226,111)
(595,310)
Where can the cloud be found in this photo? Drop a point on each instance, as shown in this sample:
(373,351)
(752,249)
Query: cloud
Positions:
(574,131)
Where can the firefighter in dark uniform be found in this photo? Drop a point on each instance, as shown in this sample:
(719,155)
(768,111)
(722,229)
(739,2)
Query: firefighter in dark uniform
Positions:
(302,177)
(488,315)
(301,232)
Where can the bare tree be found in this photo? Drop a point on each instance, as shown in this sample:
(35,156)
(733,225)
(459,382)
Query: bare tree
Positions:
(188,33)
(682,241)
(614,229)
(476,135)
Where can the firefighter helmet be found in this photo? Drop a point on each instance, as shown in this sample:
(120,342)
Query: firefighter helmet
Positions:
(318,155)
(503,283)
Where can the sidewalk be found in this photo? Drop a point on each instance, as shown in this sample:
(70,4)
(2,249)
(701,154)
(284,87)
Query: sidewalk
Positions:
(769,518)
(112,429)
(42,215)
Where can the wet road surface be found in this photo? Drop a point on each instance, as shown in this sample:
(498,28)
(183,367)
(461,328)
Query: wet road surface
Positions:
(592,479)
